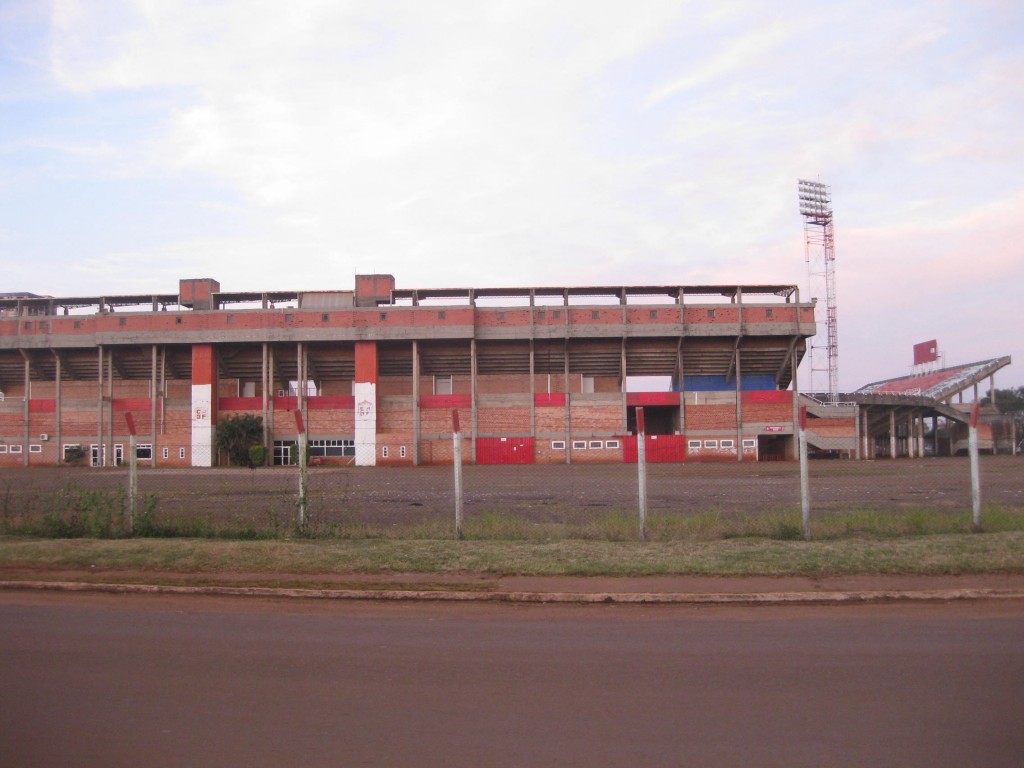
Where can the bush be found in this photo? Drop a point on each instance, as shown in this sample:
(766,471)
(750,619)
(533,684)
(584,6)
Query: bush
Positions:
(237,434)
(257,455)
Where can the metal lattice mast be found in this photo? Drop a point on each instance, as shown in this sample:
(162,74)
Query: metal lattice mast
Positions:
(820,254)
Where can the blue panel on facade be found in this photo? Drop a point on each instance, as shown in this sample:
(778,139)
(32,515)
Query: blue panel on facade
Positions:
(719,383)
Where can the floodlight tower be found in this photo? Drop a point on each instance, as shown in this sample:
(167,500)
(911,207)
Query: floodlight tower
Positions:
(820,254)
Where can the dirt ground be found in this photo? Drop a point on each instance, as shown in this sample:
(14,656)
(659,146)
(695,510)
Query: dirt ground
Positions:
(570,494)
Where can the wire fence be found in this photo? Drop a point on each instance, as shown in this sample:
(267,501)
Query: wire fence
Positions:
(687,500)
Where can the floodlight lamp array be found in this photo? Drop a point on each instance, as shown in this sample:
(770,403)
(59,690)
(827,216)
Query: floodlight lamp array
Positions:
(815,198)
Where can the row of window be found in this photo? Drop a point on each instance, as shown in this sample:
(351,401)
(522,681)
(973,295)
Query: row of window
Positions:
(583,445)
(696,444)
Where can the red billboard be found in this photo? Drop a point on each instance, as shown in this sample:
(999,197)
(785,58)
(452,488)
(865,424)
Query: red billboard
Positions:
(926,352)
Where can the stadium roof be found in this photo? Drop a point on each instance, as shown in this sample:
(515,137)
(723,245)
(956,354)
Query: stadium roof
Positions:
(939,385)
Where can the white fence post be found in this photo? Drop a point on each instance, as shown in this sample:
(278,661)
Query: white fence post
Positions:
(457,461)
(641,463)
(805,485)
(972,451)
(133,473)
(300,443)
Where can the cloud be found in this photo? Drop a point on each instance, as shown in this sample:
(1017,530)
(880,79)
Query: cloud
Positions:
(468,143)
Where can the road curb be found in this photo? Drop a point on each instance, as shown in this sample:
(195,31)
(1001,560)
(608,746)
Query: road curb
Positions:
(497,596)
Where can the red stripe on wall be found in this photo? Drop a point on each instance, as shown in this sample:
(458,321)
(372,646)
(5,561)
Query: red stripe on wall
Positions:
(42,406)
(652,398)
(240,403)
(331,403)
(131,404)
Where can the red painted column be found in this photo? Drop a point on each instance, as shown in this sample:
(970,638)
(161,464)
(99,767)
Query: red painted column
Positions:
(204,404)
(365,391)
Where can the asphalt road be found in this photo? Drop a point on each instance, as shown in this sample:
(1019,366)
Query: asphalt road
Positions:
(90,680)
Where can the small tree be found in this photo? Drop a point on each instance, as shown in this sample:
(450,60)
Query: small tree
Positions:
(237,434)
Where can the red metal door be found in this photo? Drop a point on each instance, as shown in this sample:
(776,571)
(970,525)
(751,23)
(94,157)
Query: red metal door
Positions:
(659,448)
(504,450)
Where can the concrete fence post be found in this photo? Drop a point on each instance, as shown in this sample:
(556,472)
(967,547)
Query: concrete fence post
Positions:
(641,463)
(805,483)
(457,463)
(972,451)
(300,442)
(133,473)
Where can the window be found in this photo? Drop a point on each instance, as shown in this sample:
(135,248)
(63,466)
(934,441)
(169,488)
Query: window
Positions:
(231,318)
(442,315)
(288,318)
(611,443)
(144,451)
(749,443)
(542,314)
(710,443)
(15,449)
(383,315)
(728,444)
(325,317)
(711,314)
(654,314)
(501,315)
(769,313)
(167,452)
(3,448)
(595,315)
(579,445)
(558,445)
(122,321)
(335,447)
(595,444)
(78,324)
(181,453)
(28,325)
(35,448)
(43,325)
(693,445)
(178,321)
(384,452)
(556,314)
(401,452)
(442,385)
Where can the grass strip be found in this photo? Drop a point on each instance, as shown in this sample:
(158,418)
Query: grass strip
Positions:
(1001,552)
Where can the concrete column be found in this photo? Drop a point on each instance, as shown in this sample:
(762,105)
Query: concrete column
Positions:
(365,391)
(568,405)
(265,386)
(856,432)
(152,403)
(622,382)
(27,411)
(533,383)
(892,434)
(99,409)
(271,364)
(204,404)
(911,436)
(416,403)
(111,458)
(935,435)
(739,404)
(473,418)
(57,432)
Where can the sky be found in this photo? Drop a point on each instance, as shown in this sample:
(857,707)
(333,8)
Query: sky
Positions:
(461,143)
